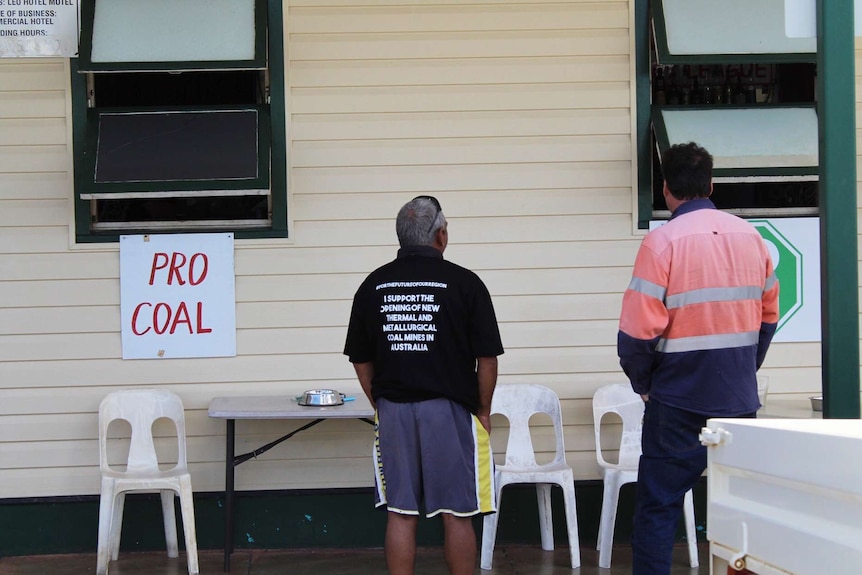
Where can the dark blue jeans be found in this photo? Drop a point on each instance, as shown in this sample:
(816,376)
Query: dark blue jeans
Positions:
(672,462)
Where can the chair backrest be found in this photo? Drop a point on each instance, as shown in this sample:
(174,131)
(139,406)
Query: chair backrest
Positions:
(518,402)
(619,398)
(141,408)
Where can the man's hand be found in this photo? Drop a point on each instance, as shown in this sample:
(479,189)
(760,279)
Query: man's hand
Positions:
(365,373)
(645,397)
(486,373)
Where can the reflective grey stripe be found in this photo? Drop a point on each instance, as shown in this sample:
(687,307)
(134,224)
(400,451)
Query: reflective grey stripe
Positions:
(647,288)
(706,295)
(770,282)
(704,342)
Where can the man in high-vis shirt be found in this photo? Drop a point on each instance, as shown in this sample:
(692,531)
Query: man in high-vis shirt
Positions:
(696,322)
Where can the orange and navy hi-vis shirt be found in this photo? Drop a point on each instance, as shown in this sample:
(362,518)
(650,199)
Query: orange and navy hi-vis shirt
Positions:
(700,312)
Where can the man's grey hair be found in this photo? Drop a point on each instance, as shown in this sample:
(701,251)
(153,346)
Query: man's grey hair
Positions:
(418,221)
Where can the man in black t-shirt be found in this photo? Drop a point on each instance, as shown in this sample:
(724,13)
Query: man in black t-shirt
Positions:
(424,341)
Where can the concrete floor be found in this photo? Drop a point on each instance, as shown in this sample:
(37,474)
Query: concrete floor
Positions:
(508,560)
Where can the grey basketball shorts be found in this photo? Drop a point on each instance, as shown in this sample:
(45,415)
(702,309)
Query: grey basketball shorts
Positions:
(435,455)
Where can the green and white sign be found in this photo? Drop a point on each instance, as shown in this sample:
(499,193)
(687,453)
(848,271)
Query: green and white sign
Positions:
(794,244)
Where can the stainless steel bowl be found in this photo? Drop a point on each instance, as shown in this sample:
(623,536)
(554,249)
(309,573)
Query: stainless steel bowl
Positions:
(817,403)
(321,397)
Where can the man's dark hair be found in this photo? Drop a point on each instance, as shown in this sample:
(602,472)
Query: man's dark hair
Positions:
(687,171)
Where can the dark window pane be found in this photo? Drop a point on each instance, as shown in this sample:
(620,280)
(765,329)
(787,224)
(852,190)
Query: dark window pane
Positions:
(185,89)
(183,209)
(765,195)
(148,147)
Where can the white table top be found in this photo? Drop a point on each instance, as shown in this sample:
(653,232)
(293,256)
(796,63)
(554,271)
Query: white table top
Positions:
(286,407)
(788,408)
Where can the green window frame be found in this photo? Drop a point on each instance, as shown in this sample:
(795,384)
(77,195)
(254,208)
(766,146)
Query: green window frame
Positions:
(655,23)
(263,173)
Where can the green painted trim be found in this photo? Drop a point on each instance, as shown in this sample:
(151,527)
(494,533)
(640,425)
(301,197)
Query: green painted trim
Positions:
(789,58)
(261,33)
(838,208)
(78,88)
(659,128)
(88,10)
(324,518)
(278,117)
(85,39)
(642,102)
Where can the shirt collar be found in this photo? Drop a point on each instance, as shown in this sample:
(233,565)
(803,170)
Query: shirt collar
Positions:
(423,251)
(692,205)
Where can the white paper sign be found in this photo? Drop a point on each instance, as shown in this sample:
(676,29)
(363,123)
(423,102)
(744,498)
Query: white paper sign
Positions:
(38,28)
(177,296)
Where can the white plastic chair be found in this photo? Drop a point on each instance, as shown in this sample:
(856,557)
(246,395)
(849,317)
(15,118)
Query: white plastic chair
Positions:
(518,402)
(619,398)
(141,408)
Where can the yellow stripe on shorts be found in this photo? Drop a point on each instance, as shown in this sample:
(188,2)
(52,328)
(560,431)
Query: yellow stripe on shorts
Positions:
(486,495)
(379,479)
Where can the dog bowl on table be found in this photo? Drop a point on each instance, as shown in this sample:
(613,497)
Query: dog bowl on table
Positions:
(320,398)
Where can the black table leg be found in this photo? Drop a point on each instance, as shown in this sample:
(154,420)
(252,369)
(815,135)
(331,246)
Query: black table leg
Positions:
(231,461)
(229,492)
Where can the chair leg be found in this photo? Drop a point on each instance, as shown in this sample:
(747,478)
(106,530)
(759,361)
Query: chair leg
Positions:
(572,522)
(117,524)
(546,518)
(607,522)
(106,513)
(169,517)
(189,530)
(489,532)
(690,529)
(599,536)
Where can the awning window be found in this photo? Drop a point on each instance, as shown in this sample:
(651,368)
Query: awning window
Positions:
(172,35)
(747,144)
(173,129)
(188,151)
(725,31)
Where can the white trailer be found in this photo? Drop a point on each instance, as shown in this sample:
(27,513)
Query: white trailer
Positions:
(784,496)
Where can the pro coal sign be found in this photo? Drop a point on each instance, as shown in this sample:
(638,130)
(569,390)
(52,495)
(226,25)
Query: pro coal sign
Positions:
(177,296)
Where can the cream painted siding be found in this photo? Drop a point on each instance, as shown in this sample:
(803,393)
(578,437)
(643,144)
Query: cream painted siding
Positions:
(517,115)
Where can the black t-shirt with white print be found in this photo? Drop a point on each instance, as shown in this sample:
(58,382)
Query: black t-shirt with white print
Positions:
(423,321)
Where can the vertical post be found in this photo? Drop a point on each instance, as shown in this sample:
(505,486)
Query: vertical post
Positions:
(278,114)
(230,441)
(838,236)
(642,95)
